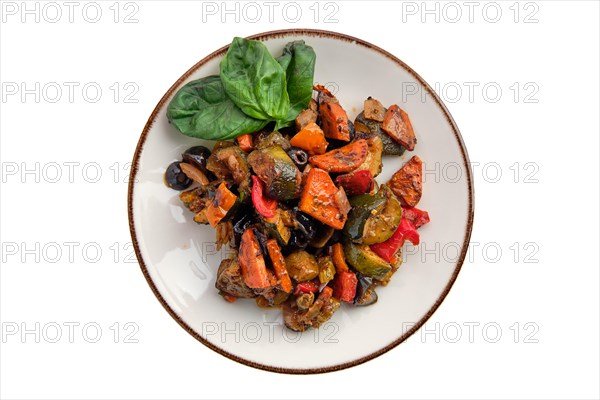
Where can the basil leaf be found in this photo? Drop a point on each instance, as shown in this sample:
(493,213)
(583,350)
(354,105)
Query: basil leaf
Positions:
(203,110)
(298,60)
(254,80)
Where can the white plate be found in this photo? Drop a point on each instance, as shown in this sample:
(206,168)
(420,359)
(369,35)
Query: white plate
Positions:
(179,260)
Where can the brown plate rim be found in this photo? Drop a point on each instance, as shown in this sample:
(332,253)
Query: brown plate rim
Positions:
(183,324)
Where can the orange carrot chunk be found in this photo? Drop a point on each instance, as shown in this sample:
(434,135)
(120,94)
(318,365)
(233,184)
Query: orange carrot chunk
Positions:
(318,199)
(279,265)
(252,262)
(326,293)
(344,159)
(407,182)
(245,142)
(311,139)
(397,124)
(339,260)
(223,202)
(335,121)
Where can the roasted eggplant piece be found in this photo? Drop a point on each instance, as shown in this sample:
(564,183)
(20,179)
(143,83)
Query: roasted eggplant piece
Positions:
(365,291)
(305,224)
(221,144)
(274,167)
(231,162)
(322,235)
(242,220)
(230,281)
(317,314)
(366,128)
(195,199)
(273,139)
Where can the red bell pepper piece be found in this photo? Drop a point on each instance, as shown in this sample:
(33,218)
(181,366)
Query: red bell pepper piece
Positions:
(359,182)
(344,286)
(406,231)
(263,204)
(306,287)
(416,216)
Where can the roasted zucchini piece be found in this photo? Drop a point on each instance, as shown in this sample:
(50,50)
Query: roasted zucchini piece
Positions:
(281,176)
(373,163)
(365,261)
(276,229)
(362,206)
(383,221)
(373,218)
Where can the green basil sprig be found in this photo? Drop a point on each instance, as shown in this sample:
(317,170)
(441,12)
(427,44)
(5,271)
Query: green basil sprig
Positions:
(254,80)
(202,109)
(298,60)
(252,90)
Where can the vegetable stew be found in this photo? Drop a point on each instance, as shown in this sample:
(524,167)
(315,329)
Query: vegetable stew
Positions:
(290,184)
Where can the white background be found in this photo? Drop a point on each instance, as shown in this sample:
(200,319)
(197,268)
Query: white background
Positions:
(543,297)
